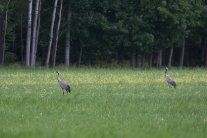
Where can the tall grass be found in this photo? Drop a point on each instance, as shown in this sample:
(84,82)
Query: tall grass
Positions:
(103,103)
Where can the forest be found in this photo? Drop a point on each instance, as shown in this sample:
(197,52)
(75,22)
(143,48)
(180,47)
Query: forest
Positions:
(103,33)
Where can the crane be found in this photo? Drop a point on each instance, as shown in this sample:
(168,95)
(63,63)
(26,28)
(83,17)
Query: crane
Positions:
(62,84)
(169,80)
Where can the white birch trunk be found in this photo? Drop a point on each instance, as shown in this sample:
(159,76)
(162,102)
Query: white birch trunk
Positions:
(80,54)
(1,36)
(143,60)
(203,48)
(67,45)
(51,35)
(57,35)
(182,54)
(159,58)
(133,60)
(170,58)
(21,32)
(4,40)
(151,60)
(34,36)
(38,30)
(29,24)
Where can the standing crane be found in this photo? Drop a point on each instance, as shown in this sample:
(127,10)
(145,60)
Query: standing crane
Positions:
(62,84)
(169,80)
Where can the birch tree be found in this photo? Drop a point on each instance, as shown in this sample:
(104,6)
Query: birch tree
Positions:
(29,24)
(51,34)
(21,36)
(67,45)
(57,35)
(182,54)
(34,36)
(203,48)
(205,64)
(1,37)
(143,60)
(38,29)
(170,57)
(132,63)
(4,40)
(151,60)
(159,58)
(80,54)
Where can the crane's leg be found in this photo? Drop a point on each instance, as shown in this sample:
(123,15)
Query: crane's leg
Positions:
(63,92)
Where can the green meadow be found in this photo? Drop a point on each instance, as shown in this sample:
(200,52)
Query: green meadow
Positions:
(104,103)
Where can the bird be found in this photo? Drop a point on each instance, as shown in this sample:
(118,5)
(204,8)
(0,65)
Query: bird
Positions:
(169,80)
(62,84)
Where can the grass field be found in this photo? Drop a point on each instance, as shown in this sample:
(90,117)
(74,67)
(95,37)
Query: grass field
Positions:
(108,103)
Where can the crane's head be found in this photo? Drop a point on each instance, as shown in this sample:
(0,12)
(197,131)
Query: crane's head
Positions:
(57,72)
(166,69)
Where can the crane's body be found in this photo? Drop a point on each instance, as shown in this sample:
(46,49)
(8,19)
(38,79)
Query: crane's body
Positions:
(169,80)
(62,84)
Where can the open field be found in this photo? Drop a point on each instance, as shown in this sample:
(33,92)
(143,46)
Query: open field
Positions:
(103,103)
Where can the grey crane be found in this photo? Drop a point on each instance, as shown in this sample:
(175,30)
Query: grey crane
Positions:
(62,84)
(169,80)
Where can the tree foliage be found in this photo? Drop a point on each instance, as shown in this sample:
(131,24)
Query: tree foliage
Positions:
(106,30)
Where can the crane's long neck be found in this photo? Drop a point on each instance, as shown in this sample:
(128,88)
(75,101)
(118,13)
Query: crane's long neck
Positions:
(58,77)
(166,73)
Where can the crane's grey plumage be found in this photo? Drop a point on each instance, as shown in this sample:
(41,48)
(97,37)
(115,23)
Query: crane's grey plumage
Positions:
(169,80)
(62,84)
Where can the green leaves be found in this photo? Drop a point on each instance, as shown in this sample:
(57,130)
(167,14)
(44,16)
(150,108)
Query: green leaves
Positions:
(1,8)
(106,26)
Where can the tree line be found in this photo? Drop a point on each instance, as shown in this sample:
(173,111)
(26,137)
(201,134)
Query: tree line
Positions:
(137,33)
